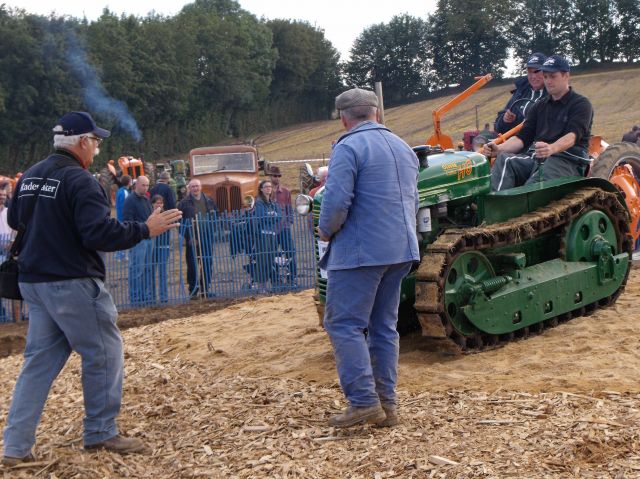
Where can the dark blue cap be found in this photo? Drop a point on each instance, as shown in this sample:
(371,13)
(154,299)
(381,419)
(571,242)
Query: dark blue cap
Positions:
(555,63)
(536,60)
(79,123)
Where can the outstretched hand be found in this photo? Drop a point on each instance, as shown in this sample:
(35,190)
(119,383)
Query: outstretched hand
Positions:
(161,221)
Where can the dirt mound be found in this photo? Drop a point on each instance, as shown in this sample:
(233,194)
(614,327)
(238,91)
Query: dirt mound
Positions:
(279,336)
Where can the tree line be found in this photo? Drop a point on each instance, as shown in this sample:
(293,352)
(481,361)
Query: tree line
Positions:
(466,38)
(215,71)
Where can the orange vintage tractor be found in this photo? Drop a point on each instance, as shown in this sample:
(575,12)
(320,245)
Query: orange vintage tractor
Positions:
(619,163)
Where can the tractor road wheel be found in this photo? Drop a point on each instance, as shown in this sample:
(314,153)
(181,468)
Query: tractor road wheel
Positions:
(620,164)
(617,155)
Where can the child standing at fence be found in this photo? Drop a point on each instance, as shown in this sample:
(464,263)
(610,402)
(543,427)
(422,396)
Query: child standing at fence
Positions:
(161,251)
(267,216)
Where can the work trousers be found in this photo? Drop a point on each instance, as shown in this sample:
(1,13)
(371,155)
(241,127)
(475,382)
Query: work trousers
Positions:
(72,315)
(359,299)
(510,170)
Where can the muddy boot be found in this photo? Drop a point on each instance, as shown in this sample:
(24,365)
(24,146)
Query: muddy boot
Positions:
(358,415)
(9,461)
(119,444)
(391,411)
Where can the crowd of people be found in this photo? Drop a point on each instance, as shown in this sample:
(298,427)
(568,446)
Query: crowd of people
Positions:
(267,237)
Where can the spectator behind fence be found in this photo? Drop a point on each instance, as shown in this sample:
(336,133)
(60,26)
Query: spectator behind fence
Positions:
(632,136)
(122,194)
(323,171)
(266,221)
(161,251)
(282,196)
(62,275)
(6,233)
(6,238)
(196,209)
(137,207)
(163,188)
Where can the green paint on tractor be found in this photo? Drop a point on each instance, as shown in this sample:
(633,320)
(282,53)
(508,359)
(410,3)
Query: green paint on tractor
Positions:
(505,263)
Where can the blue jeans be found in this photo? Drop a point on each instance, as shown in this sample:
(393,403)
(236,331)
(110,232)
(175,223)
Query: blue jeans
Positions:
(141,278)
(161,258)
(72,315)
(365,298)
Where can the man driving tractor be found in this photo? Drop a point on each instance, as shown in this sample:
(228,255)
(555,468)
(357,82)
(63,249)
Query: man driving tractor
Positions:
(556,132)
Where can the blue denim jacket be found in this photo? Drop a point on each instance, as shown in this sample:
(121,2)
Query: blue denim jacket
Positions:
(370,200)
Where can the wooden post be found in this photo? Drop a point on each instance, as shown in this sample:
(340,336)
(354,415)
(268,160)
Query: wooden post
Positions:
(200,260)
(378,87)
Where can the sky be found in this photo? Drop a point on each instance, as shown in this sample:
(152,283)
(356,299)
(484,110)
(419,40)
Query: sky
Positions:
(341,20)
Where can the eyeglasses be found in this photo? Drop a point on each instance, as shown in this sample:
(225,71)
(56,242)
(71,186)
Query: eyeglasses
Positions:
(276,176)
(98,140)
(267,186)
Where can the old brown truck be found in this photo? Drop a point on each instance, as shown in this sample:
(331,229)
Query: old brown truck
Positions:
(229,174)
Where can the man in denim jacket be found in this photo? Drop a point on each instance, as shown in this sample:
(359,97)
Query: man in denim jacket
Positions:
(369,217)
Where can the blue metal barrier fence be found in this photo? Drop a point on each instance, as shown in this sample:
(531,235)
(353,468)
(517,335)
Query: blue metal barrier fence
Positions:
(227,255)
(215,256)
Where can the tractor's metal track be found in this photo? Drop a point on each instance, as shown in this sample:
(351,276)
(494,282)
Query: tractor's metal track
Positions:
(430,276)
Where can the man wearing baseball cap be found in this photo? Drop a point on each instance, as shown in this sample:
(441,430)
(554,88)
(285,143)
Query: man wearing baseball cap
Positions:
(369,252)
(528,90)
(64,219)
(556,132)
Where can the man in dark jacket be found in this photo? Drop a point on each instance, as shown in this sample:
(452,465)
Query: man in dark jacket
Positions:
(62,281)
(528,90)
(555,134)
(163,189)
(137,207)
(198,212)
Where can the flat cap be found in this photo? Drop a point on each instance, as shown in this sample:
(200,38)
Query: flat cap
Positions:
(356,97)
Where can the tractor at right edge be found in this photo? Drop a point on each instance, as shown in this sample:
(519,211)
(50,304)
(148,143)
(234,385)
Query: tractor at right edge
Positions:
(497,266)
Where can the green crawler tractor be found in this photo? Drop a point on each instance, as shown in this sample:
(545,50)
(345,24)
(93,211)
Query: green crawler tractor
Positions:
(499,266)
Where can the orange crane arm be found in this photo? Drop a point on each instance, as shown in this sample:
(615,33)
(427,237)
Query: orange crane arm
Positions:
(438,138)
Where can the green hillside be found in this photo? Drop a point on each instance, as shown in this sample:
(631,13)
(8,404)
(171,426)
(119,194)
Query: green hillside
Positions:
(615,96)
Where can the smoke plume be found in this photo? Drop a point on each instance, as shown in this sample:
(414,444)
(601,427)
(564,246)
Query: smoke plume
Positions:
(95,96)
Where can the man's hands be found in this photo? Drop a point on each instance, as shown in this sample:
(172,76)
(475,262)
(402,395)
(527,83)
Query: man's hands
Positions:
(321,235)
(543,150)
(490,149)
(159,222)
(509,116)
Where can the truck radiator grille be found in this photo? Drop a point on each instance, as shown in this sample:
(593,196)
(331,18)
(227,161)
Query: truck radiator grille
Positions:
(228,198)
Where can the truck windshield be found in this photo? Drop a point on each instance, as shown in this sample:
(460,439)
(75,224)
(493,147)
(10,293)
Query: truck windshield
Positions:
(213,162)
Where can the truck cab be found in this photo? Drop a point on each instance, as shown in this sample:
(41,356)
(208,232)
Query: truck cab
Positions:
(229,174)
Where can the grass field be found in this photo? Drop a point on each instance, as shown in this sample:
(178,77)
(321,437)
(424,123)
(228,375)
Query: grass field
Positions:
(615,96)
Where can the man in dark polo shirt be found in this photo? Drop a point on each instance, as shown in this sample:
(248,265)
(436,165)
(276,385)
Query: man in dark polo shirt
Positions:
(555,134)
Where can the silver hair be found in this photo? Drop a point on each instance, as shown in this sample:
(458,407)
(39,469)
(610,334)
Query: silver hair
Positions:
(359,113)
(62,141)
